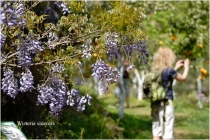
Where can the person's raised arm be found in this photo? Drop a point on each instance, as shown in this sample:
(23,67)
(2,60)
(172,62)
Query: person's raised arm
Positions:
(182,77)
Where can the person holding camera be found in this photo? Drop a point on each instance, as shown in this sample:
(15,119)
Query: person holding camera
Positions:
(163,115)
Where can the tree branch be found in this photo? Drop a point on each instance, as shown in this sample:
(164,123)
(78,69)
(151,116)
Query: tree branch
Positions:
(40,63)
(2,61)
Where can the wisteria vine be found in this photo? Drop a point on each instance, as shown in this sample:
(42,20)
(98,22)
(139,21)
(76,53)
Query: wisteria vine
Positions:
(53,91)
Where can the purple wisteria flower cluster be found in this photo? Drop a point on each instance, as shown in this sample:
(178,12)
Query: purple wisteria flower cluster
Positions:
(52,39)
(128,49)
(12,13)
(54,93)
(26,47)
(71,97)
(24,57)
(139,47)
(26,81)
(9,83)
(112,45)
(64,7)
(105,74)
(129,68)
(87,50)
(2,56)
(58,68)
(3,38)
(34,45)
(74,98)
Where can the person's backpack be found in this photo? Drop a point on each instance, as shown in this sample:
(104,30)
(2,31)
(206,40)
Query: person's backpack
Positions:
(153,88)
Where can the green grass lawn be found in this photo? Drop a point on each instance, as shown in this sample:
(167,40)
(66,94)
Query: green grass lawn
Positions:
(190,122)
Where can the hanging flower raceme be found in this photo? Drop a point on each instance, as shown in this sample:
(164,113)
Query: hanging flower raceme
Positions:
(3,38)
(139,48)
(143,55)
(52,39)
(75,99)
(27,47)
(12,13)
(86,50)
(26,81)
(105,74)
(128,49)
(9,83)
(64,7)
(54,92)
(130,68)
(58,68)
(112,45)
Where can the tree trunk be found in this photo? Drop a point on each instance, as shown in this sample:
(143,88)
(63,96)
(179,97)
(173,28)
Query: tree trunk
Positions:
(199,88)
(199,85)
(140,79)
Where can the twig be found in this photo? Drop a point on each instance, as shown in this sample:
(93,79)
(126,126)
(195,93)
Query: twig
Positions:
(82,77)
(88,34)
(40,63)
(36,2)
